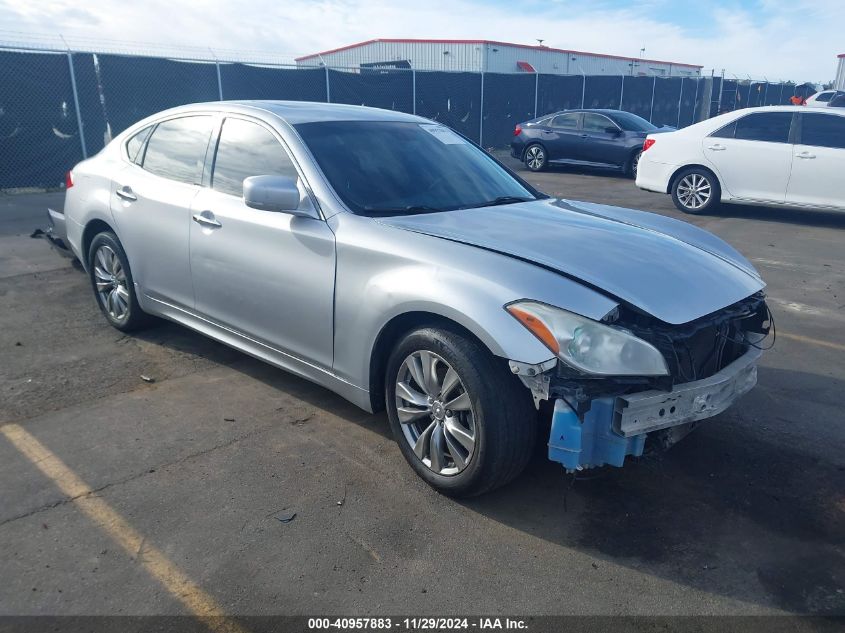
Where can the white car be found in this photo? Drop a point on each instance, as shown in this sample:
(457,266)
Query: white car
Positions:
(773,156)
(820,99)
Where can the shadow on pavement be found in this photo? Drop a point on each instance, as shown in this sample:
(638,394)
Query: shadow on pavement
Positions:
(802,217)
(731,509)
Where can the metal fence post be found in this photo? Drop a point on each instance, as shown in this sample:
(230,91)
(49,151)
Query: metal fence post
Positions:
(695,100)
(76,105)
(721,90)
(622,92)
(219,81)
(766,93)
(680,102)
(780,98)
(414,90)
(653,87)
(583,88)
(536,90)
(328,88)
(481,114)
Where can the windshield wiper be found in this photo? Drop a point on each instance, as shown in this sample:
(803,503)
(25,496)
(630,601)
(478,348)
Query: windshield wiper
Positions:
(500,201)
(410,209)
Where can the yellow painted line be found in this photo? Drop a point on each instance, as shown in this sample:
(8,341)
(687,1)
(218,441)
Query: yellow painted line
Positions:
(199,603)
(812,341)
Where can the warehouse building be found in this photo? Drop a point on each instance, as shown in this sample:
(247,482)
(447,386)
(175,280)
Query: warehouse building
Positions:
(490,57)
(840,73)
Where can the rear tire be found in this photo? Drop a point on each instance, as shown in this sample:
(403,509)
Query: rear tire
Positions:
(535,157)
(696,191)
(467,425)
(111,280)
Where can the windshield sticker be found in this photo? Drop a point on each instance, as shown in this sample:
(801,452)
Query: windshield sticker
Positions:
(443,134)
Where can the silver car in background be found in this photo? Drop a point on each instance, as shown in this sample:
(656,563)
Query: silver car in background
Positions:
(391,260)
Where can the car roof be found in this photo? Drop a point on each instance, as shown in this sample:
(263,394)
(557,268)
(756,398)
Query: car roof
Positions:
(773,108)
(295,112)
(609,111)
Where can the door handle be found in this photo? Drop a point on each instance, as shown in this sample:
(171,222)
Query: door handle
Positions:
(206,218)
(717,148)
(125,192)
(585,136)
(805,155)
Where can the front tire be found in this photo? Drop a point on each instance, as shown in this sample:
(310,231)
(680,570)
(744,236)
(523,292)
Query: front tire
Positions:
(535,157)
(463,422)
(696,191)
(111,280)
(633,164)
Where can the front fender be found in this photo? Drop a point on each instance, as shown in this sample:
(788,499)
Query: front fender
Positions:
(383,272)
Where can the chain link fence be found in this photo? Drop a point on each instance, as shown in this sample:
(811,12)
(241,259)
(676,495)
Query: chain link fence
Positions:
(58,107)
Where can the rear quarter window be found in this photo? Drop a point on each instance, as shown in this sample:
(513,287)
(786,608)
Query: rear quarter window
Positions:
(136,143)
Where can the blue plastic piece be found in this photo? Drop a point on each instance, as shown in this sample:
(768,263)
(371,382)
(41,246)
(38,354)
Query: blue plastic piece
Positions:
(579,445)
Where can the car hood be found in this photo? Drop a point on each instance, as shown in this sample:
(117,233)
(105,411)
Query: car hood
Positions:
(670,269)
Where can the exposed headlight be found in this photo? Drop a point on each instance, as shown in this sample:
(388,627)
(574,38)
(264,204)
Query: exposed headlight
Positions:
(587,345)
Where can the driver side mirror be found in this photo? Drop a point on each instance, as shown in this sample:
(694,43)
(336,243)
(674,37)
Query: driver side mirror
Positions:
(273,193)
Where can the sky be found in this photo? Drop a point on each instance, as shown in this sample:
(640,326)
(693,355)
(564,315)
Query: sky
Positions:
(773,39)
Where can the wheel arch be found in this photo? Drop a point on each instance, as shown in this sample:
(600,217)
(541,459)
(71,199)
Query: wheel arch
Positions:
(93,228)
(393,331)
(682,169)
(629,158)
(535,142)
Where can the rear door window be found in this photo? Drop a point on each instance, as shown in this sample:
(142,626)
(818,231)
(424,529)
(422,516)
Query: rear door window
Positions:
(597,122)
(823,130)
(569,120)
(247,149)
(824,97)
(176,149)
(771,127)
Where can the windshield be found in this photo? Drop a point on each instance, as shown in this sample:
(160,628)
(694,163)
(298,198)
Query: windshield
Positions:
(396,167)
(632,122)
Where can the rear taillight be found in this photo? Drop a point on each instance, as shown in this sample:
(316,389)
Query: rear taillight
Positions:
(69,180)
(517,130)
(648,143)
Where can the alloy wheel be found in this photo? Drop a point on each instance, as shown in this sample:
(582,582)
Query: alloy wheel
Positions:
(694,191)
(110,280)
(435,412)
(535,157)
(635,163)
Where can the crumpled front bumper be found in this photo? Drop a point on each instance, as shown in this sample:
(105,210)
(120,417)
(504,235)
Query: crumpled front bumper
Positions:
(614,428)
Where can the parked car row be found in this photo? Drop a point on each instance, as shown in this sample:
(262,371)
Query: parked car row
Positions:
(774,156)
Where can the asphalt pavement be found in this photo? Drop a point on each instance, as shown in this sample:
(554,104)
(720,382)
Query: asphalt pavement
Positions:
(123,496)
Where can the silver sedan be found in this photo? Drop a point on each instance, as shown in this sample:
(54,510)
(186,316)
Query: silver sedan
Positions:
(393,261)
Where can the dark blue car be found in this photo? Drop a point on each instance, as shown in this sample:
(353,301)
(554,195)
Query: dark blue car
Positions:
(586,137)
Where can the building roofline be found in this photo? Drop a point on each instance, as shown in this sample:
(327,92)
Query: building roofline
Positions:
(495,43)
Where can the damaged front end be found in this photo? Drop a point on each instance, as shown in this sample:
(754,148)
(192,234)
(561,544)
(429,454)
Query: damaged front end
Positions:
(600,420)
